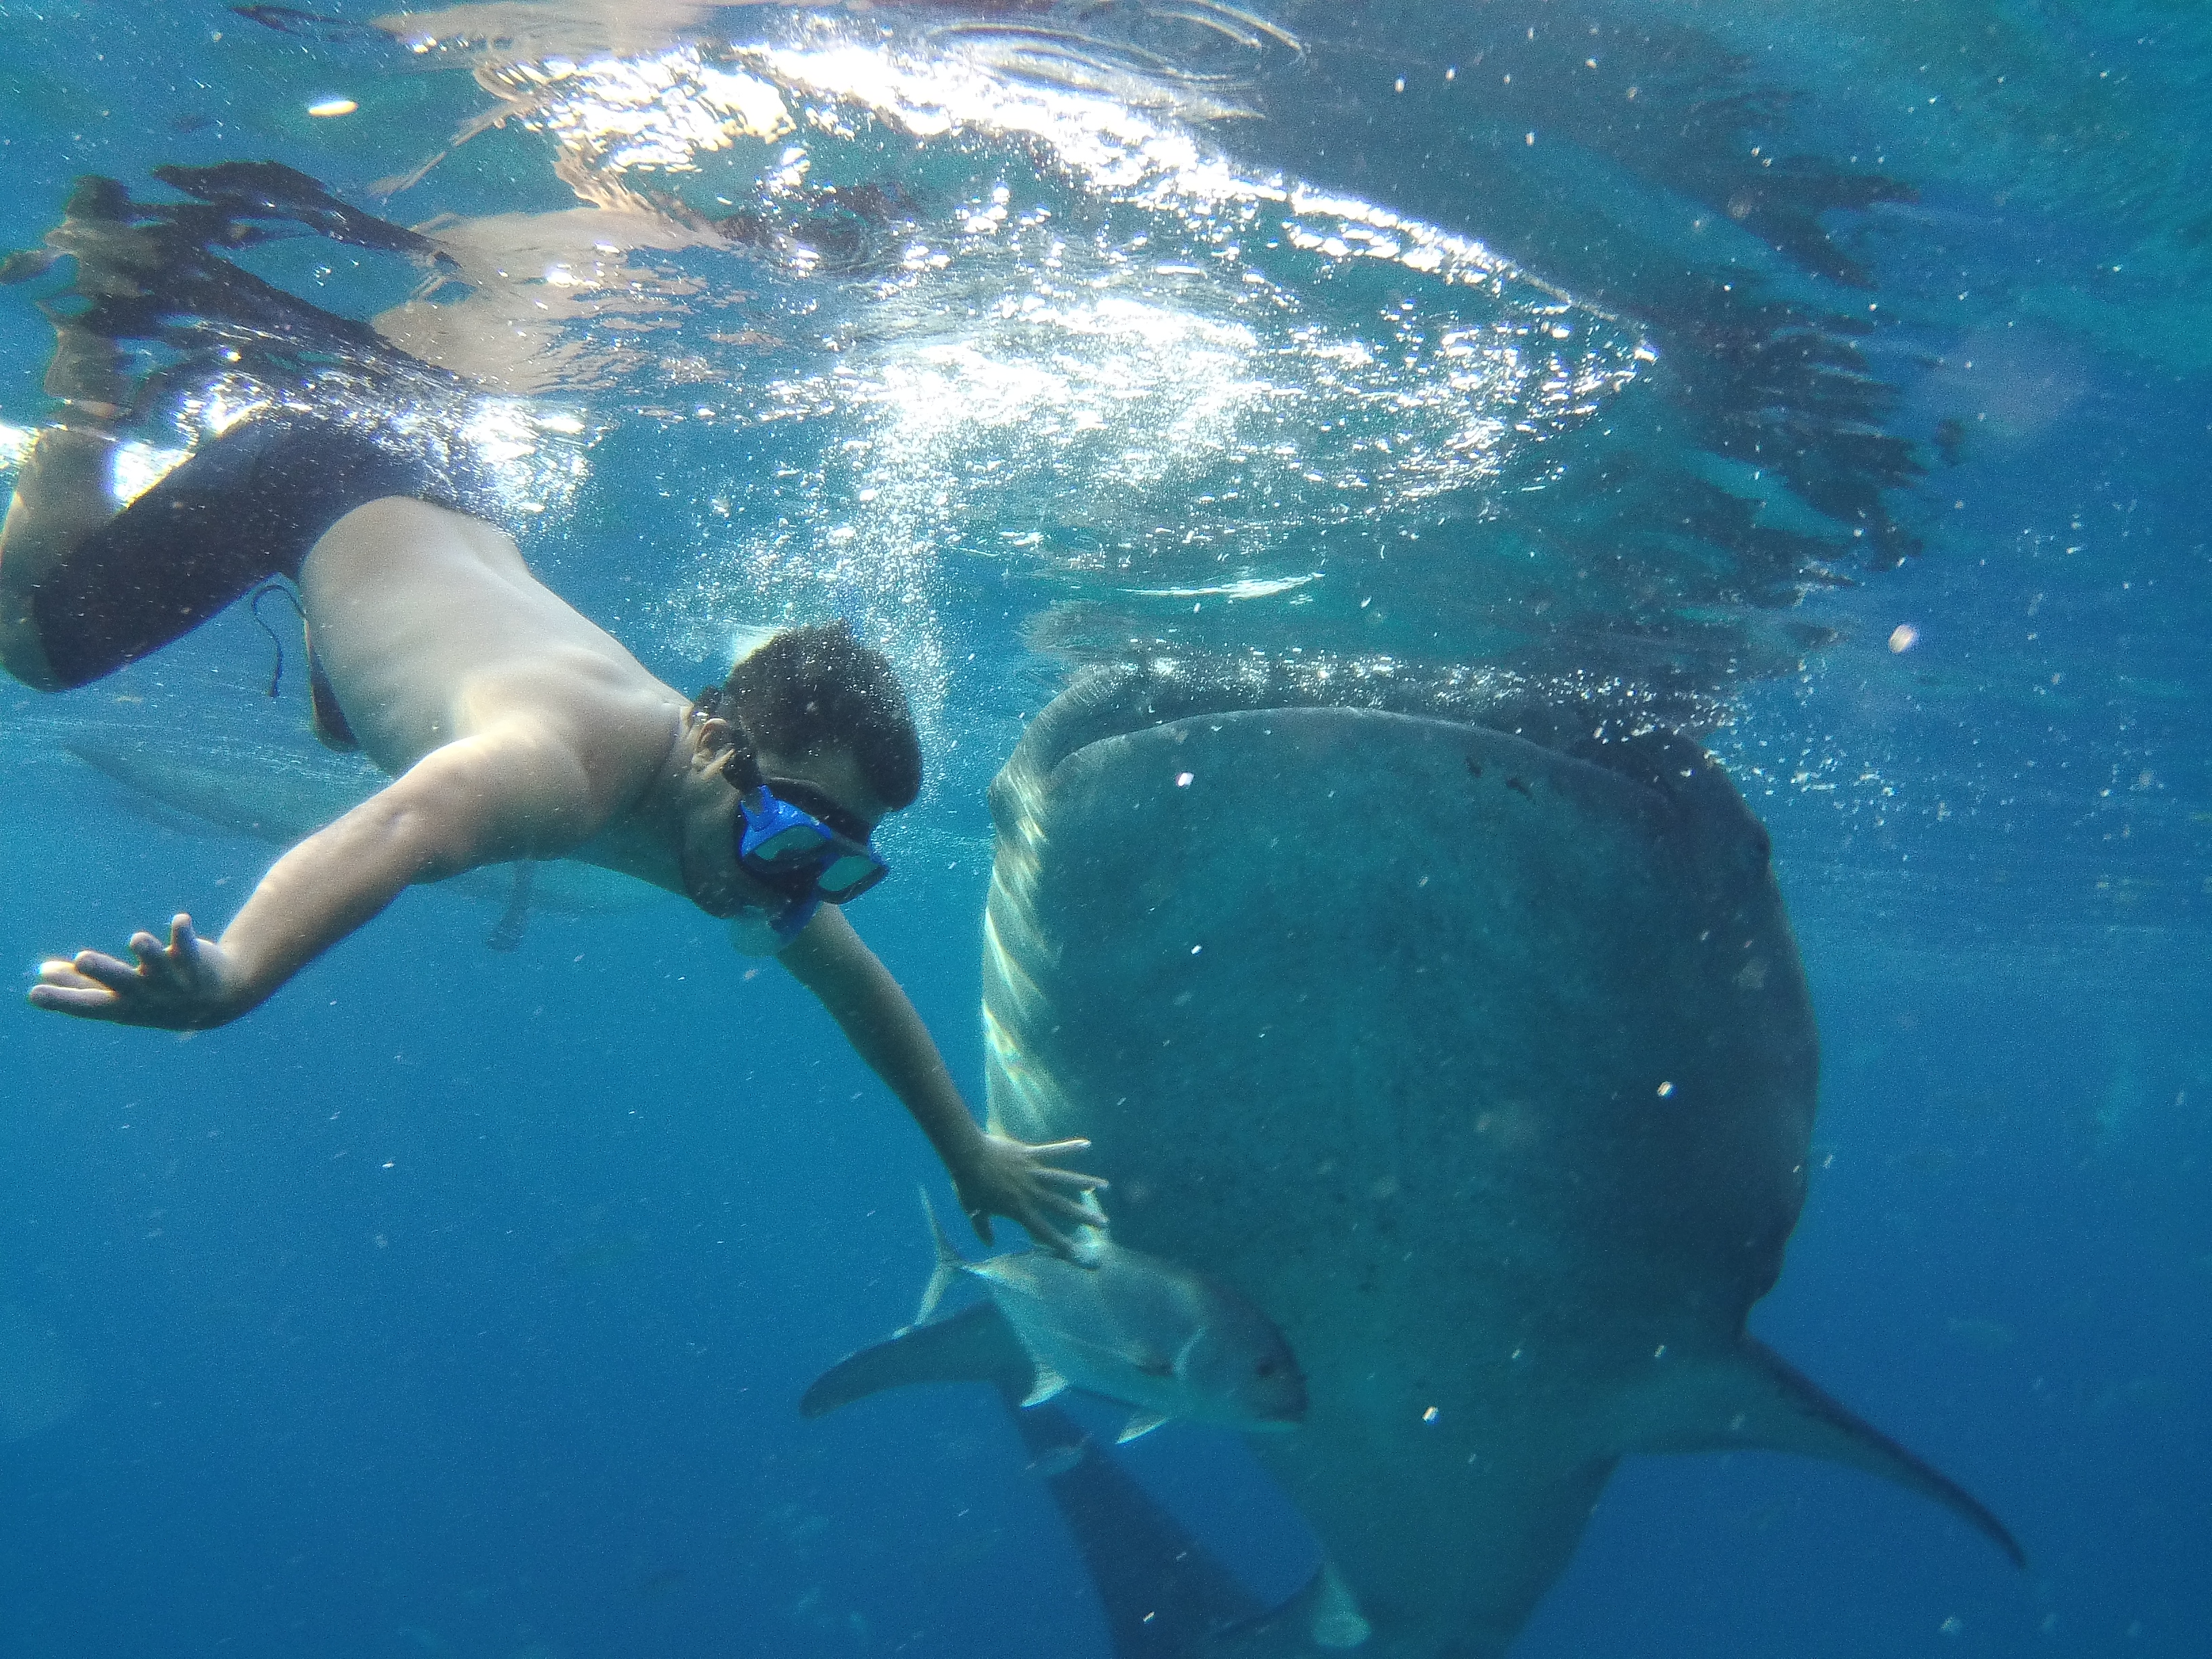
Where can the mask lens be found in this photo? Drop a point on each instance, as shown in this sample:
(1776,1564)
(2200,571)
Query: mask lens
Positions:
(789,845)
(847,876)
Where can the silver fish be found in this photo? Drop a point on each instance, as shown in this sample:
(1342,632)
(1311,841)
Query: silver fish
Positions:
(1165,1341)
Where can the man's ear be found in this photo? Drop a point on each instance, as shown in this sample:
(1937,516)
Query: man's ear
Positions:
(712,740)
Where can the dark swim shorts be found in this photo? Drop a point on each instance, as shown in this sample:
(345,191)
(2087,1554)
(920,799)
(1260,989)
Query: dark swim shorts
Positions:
(244,507)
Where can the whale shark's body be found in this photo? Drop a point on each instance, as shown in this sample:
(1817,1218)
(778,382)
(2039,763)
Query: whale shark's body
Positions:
(1484,1066)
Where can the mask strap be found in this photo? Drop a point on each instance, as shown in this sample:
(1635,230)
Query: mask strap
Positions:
(741,770)
(253,604)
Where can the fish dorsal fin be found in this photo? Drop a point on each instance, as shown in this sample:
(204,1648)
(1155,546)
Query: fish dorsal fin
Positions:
(1046,1384)
(1139,1425)
(1751,1397)
(947,1267)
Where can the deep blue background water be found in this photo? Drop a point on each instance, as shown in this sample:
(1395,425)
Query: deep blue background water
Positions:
(459,1302)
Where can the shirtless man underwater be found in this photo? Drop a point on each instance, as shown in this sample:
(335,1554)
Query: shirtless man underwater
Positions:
(512,727)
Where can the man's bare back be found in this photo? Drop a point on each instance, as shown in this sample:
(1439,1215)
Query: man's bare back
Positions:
(431,630)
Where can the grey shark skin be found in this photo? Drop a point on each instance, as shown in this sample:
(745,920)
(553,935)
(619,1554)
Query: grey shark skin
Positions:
(1122,1325)
(1487,1068)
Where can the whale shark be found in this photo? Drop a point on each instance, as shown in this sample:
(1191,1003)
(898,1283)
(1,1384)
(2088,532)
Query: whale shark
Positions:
(1475,1050)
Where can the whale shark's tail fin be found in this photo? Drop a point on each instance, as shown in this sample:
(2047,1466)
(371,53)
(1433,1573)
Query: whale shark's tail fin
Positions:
(1753,1398)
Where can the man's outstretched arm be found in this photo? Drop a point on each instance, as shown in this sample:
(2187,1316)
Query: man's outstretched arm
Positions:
(994,1174)
(474,801)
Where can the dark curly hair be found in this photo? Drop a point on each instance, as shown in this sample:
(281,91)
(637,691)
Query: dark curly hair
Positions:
(810,690)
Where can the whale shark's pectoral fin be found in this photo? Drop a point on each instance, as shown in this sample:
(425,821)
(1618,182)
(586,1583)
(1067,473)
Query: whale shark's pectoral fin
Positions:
(1046,1384)
(976,1346)
(1139,1427)
(1753,1398)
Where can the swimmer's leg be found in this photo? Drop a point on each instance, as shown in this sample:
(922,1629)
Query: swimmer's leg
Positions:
(85,589)
(64,486)
(63,493)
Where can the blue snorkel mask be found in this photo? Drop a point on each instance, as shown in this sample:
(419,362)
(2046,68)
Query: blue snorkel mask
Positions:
(791,836)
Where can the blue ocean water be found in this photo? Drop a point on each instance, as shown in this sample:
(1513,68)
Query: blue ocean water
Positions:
(1833,378)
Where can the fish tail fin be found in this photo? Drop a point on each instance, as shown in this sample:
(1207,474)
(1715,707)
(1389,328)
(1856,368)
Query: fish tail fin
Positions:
(948,1266)
(976,1346)
(1753,1398)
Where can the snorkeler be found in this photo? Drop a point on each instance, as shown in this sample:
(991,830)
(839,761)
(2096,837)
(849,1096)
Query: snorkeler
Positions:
(512,727)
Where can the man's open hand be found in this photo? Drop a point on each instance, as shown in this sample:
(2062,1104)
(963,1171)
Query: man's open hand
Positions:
(183,986)
(1017,1181)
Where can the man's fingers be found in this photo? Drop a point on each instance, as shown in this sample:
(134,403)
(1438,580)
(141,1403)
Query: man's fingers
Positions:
(1059,1148)
(1089,1184)
(101,968)
(1080,1214)
(73,999)
(1053,1239)
(980,1221)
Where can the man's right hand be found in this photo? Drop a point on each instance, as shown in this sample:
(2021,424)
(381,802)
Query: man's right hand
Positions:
(186,985)
(1021,1182)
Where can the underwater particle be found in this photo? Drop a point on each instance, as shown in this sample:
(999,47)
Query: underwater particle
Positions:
(1182,779)
(1666,1090)
(1903,637)
(1429,1415)
(329,106)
